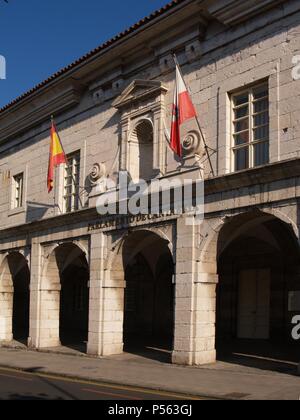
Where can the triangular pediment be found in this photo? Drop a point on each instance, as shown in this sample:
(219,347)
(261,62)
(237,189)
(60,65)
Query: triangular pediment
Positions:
(139,90)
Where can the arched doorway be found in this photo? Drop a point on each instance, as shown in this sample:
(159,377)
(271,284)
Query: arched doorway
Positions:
(74,304)
(141,151)
(66,296)
(258,268)
(149,295)
(15,298)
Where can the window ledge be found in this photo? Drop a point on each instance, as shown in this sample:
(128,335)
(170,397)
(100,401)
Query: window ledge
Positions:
(272,172)
(15,212)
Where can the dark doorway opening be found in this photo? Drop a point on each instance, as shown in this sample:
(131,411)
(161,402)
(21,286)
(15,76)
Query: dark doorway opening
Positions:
(74,307)
(21,305)
(149,306)
(257,272)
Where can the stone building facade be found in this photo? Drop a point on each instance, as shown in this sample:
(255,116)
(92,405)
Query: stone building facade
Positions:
(69,275)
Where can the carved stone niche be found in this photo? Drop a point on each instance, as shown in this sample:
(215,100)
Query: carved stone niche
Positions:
(142,100)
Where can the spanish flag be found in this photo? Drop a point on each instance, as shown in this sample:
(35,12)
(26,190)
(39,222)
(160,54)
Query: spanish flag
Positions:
(57,156)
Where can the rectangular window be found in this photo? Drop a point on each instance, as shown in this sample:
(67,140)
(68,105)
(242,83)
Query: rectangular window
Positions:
(72,183)
(18,191)
(251,127)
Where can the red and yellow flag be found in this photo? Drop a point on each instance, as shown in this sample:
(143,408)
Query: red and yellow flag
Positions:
(57,156)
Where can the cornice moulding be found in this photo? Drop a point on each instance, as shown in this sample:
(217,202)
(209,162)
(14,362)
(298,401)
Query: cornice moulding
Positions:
(34,112)
(233,12)
(289,169)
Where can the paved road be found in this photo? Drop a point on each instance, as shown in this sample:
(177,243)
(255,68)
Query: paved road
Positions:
(16,385)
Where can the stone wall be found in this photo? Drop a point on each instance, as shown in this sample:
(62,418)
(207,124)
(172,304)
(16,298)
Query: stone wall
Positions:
(214,65)
(216,60)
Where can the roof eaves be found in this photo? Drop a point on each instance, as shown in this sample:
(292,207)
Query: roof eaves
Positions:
(158,13)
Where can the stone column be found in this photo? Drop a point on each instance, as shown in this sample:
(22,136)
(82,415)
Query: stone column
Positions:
(44,303)
(34,316)
(106,302)
(96,294)
(49,317)
(6,310)
(205,319)
(113,317)
(195,305)
(184,293)
(6,301)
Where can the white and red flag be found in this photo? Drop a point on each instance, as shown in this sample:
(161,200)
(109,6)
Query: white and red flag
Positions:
(183,110)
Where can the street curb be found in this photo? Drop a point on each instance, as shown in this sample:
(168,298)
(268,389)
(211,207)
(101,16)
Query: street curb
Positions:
(105,381)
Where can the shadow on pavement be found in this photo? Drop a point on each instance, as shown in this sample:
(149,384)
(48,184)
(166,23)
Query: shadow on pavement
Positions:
(264,355)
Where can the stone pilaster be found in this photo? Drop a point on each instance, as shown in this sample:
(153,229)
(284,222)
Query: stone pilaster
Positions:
(6,309)
(49,317)
(6,301)
(44,302)
(106,303)
(184,293)
(34,316)
(204,319)
(195,303)
(96,294)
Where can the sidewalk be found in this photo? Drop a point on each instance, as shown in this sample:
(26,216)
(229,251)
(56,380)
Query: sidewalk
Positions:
(222,380)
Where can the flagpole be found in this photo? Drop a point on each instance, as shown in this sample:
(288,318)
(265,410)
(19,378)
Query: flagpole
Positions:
(54,190)
(207,148)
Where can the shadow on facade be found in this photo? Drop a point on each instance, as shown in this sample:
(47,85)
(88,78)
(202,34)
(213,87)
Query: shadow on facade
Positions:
(37,211)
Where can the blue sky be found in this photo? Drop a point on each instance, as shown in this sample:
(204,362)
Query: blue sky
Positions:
(37,38)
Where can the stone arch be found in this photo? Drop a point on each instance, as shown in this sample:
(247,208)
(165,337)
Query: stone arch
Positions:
(138,122)
(60,258)
(256,256)
(78,249)
(14,297)
(141,150)
(149,296)
(165,237)
(126,250)
(114,262)
(146,238)
(212,244)
(284,218)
